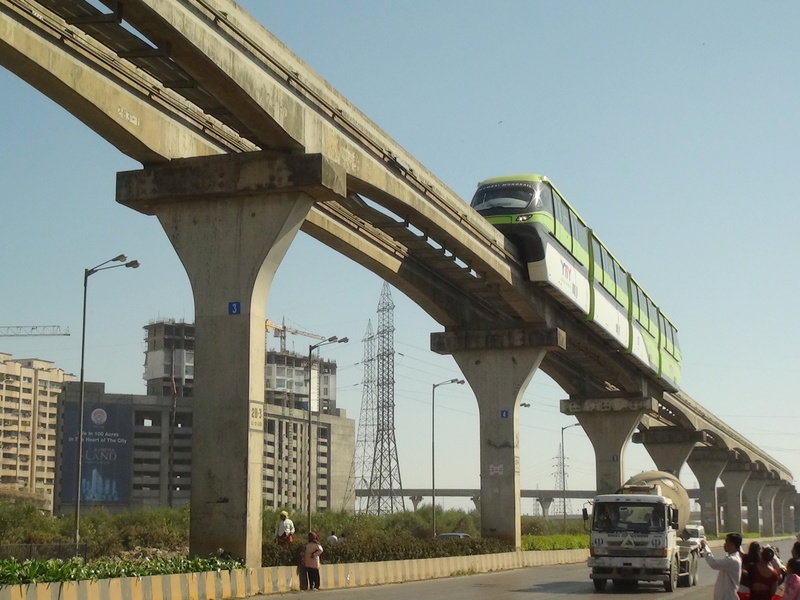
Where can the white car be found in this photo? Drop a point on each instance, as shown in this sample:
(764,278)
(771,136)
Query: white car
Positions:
(696,534)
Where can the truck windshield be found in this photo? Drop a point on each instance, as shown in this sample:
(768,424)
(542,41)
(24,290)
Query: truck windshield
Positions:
(619,516)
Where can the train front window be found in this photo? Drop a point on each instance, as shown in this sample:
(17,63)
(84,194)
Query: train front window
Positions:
(517,196)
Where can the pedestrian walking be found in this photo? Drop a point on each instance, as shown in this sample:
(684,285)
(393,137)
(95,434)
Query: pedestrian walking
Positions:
(729,567)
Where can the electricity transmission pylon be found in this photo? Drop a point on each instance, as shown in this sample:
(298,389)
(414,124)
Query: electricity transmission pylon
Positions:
(386,489)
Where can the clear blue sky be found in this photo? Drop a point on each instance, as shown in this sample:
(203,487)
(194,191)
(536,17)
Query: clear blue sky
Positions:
(672,127)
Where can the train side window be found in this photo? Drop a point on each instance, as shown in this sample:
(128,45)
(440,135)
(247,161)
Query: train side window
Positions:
(563,233)
(608,267)
(597,254)
(580,235)
(546,196)
(561,212)
(635,302)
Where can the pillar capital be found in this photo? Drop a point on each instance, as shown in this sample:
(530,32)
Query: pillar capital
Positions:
(547,338)
(226,176)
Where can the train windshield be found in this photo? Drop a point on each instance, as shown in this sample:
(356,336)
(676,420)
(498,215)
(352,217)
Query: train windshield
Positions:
(514,195)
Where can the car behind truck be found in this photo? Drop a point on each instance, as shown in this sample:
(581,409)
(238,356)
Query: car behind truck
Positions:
(638,534)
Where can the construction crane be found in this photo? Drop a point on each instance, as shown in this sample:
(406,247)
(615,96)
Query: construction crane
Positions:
(282,330)
(28,330)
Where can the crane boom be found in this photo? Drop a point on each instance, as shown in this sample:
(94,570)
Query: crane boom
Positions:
(29,330)
(282,330)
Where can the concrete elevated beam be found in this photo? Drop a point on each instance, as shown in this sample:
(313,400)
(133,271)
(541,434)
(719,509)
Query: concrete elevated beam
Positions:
(498,364)
(231,220)
(609,423)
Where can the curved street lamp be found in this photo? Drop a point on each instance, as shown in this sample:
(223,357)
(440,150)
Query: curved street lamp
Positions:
(433,445)
(311,348)
(133,264)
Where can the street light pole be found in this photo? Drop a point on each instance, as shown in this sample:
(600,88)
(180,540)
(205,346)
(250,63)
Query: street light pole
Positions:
(564,476)
(433,446)
(311,348)
(133,264)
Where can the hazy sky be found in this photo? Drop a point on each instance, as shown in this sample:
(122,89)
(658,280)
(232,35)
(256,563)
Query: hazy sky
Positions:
(670,126)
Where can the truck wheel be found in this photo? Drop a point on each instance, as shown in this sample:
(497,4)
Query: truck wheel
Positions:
(671,583)
(599,584)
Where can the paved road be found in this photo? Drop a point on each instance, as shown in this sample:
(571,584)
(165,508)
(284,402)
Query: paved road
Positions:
(536,583)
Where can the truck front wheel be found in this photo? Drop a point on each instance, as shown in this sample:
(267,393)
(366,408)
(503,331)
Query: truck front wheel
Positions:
(671,583)
(599,584)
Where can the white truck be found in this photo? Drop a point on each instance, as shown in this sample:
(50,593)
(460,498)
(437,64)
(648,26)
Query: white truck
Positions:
(638,534)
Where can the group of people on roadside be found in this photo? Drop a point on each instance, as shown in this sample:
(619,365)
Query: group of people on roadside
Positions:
(756,574)
(309,561)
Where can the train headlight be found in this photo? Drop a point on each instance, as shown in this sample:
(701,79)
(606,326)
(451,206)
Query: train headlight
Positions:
(523,218)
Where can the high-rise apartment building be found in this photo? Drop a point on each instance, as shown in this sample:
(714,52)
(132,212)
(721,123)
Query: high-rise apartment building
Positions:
(29,390)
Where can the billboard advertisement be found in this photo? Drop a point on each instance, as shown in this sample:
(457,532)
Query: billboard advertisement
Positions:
(107,465)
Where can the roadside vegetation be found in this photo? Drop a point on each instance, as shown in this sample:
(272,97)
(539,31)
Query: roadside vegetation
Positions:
(156,541)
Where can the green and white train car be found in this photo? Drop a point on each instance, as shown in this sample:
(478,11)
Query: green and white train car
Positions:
(564,254)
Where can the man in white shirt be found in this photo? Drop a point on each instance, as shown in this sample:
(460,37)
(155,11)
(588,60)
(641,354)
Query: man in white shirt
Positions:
(730,567)
(284,529)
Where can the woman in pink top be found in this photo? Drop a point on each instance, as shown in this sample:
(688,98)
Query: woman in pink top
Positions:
(791,583)
(311,560)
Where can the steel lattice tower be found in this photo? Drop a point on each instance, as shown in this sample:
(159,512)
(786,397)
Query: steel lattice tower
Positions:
(385,474)
(562,506)
(368,420)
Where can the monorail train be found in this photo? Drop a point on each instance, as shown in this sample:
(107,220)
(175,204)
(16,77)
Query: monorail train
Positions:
(579,271)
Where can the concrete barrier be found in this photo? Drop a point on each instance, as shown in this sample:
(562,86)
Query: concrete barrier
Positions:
(243,583)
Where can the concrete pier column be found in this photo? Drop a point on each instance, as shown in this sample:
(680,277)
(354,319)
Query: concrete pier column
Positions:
(545,502)
(768,507)
(734,477)
(752,499)
(779,505)
(415,501)
(609,423)
(231,219)
(669,447)
(498,365)
(707,465)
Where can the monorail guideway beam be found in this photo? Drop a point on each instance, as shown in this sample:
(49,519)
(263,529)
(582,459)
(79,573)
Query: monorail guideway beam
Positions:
(608,423)
(499,364)
(231,220)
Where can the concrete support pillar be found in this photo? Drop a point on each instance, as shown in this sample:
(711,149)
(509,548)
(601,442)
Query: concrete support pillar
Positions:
(545,503)
(669,447)
(734,476)
(752,498)
(781,503)
(707,465)
(768,507)
(609,423)
(415,501)
(476,500)
(231,219)
(498,365)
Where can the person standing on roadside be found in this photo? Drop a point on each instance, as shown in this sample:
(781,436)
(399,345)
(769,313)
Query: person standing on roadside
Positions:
(729,567)
(284,529)
(311,560)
